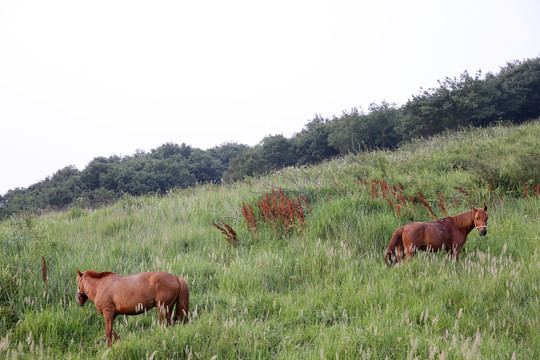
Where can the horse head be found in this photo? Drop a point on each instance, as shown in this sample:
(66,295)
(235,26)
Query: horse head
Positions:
(81,295)
(480,219)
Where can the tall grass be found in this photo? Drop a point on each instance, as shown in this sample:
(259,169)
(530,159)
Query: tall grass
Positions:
(323,292)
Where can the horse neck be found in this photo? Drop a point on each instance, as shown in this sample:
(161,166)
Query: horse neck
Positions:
(91,284)
(464,221)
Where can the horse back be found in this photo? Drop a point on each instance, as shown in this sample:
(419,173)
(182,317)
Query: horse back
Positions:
(428,235)
(132,294)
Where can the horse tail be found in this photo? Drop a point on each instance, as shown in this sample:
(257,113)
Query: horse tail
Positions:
(396,242)
(181,312)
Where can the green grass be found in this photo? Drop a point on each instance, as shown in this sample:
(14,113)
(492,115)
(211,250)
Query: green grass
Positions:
(322,292)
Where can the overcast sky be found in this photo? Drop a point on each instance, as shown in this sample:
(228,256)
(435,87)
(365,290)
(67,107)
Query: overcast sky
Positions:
(82,79)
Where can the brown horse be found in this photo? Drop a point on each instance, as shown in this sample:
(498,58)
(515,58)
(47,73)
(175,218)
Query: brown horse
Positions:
(133,294)
(447,234)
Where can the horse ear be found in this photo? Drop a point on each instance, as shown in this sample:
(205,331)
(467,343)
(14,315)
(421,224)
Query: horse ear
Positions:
(485,207)
(475,209)
(78,272)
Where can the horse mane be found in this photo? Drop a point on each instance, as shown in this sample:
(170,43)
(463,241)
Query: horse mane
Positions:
(97,274)
(463,219)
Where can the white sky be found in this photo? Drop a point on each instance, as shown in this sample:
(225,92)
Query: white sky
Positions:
(82,79)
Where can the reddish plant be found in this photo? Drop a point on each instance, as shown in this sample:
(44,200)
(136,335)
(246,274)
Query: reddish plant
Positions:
(390,193)
(462,191)
(535,190)
(423,201)
(230,234)
(305,202)
(525,191)
(44,269)
(373,188)
(442,203)
(389,203)
(384,186)
(493,193)
(402,200)
(443,209)
(442,197)
(278,210)
(247,212)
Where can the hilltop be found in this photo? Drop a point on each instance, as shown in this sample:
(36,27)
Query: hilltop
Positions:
(314,286)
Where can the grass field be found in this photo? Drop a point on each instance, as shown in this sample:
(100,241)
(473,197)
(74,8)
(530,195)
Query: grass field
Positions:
(315,288)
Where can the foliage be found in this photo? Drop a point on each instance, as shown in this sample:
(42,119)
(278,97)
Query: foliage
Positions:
(249,163)
(356,131)
(312,144)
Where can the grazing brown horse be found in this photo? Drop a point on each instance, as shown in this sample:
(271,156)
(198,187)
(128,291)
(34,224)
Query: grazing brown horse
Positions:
(447,234)
(133,294)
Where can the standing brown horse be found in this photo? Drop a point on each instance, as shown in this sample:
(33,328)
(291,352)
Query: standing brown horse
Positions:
(447,234)
(133,294)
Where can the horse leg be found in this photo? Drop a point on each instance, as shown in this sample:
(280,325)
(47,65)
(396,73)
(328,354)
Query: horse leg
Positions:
(109,319)
(399,252)
(457,251)
(450,252)
(410,250)
(408,241)
(163,309)
(169,314)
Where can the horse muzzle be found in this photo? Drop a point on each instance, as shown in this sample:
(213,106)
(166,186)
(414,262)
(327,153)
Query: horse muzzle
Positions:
(81,299)
(482,230)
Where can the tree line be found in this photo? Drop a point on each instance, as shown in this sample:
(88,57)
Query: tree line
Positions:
(512,94)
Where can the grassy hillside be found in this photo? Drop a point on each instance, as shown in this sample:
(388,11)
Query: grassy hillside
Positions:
(315,289)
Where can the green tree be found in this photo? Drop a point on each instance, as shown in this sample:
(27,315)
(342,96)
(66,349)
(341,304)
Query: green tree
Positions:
(455,103)
(278,152)
(345,134)
(311,143)
(377,129)
(98,173)
(249,163)
(204,167)
(226,152)
(519,84)
(171,150)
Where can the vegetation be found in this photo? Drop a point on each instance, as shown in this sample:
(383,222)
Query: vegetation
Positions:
(320,291)
(513,95)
